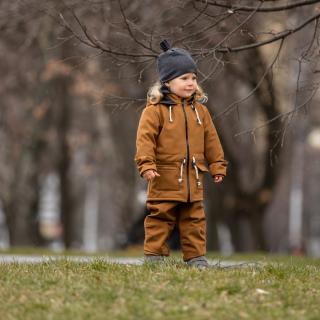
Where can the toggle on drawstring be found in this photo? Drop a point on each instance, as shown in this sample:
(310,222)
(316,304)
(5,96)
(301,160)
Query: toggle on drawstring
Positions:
(197,114)
(181,170)
(196,170)
(170,114)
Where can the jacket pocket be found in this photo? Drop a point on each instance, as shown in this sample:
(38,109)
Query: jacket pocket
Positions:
(199,168)
(202,167)
(168,180)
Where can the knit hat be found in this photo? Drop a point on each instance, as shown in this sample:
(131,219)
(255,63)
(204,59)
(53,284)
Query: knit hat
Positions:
(174,62)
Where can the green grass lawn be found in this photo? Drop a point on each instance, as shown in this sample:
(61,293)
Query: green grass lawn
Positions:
(278,288)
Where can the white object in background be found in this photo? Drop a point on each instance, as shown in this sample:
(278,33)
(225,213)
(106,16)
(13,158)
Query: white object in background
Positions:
(49,202)
(296,190)
(4,234)
(314,247)
(91,216)
(224,237)
(313,242)
(313,139)
(49,210)
(142,197)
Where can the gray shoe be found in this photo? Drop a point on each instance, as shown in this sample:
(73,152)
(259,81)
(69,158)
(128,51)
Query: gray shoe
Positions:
(153,259)
(198,262)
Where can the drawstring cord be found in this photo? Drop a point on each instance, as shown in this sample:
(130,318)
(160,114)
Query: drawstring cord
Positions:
(193,107)
(170,114)
(197,114)
(198,118)
(181,170)
(195,168)
(197,172)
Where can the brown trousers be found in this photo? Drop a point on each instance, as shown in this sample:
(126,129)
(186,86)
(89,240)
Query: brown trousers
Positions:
(163,216)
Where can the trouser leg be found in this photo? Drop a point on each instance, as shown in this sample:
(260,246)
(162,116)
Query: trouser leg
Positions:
(192,228)
(158,226)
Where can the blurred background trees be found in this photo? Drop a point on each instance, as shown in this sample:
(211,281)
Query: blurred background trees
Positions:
(73,85)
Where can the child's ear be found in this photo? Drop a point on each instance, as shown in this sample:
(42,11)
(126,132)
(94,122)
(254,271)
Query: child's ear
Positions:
(167,84)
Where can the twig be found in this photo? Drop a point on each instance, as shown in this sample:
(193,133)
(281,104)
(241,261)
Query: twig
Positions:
(200,13)
(206,28)
(230,107)
(235,29)
(279,116)
(270,9)
(95,43)
(130,31)
(281,35)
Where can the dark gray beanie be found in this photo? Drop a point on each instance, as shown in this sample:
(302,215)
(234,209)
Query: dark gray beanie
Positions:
(174,62)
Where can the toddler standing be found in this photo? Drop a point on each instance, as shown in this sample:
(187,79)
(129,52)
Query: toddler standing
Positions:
(176,141)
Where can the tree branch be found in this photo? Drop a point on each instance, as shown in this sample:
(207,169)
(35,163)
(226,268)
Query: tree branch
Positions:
(282,35)
(236,103)
(130,31)
(268,9)
(280,116)
(91,41)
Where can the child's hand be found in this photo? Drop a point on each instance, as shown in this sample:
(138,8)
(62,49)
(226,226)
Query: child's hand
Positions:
(218,178)
(150,175)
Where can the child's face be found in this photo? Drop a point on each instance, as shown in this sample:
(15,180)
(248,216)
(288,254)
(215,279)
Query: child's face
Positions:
(183,86)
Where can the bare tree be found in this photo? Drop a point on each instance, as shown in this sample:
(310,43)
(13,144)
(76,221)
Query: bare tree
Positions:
(92,64)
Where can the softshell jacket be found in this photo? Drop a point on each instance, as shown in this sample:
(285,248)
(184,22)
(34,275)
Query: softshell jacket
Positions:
(177,138)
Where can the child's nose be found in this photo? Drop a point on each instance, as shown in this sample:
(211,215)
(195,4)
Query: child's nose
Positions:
(190,82)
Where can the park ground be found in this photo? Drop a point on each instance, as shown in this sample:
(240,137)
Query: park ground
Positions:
(257,287)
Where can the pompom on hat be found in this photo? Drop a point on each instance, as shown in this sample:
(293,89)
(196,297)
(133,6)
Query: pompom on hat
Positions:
(174,62)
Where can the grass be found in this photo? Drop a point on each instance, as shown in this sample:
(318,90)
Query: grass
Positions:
(280,288)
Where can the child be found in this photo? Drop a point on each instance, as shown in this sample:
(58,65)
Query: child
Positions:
(175,139)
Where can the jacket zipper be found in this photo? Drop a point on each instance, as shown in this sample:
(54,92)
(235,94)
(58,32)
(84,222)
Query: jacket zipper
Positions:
(187,142)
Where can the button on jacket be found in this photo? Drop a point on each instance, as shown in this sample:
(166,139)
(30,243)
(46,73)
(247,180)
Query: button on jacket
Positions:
(177,138)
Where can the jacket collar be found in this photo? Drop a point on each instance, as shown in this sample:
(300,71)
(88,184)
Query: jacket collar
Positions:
(170,98)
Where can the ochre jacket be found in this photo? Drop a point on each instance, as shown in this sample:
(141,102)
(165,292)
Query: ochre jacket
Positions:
(177,138)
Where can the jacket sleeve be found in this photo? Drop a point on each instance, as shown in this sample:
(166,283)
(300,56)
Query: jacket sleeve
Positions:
(212,146)
(148,130)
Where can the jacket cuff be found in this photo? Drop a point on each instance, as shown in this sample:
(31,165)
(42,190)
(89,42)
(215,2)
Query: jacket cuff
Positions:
(218,168)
